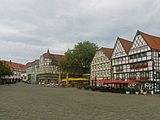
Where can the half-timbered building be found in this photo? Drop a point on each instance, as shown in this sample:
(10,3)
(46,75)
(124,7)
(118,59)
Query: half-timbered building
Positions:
(49,67)
(101,65)
(144,60)
(119,59)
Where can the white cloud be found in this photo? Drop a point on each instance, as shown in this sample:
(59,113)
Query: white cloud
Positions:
(29,27)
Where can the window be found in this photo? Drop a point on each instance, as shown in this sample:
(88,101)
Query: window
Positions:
(158,74)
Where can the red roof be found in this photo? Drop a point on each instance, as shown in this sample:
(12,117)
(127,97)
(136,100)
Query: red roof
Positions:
(58,57)
(126,44)
(107,51)
(24,68)
(13,65)
(152,41)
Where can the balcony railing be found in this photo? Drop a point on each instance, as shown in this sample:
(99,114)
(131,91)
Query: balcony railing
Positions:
(139,66)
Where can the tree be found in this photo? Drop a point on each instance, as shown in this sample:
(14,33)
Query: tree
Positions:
(81,55)
(4,70)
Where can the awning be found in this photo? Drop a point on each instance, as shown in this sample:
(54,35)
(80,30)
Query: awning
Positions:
(75,79)
(133,82)
(118,82)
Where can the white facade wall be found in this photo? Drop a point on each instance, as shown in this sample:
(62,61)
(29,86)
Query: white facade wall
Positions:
(46,67)
(120,62)
(32,72)
(24,76)
(16,75)
(100,67)
(142,54)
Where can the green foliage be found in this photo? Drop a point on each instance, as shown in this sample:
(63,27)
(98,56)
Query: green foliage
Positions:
(80,56)
(69,68)
(4,70)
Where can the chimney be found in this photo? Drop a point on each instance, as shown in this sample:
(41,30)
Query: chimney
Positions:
(10,62)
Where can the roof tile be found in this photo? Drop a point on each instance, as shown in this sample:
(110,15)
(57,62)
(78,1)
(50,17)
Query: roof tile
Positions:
(152,41)
(107,51)
(13,65)
(126,44)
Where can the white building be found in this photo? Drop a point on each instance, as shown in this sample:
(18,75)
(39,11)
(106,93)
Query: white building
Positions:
(49,67)
(32,71)
(43,70)
(144,60)
(16,68)
(101,65)
(119,58)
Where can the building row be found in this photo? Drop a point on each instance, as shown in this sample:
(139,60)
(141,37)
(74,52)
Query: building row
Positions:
(16,69)
(45,69)
(137,60)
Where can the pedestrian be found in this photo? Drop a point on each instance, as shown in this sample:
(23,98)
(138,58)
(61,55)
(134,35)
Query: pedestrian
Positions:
(8,82)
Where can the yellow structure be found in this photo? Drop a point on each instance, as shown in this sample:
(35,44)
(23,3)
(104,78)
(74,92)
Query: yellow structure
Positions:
(74,82)
(59,76)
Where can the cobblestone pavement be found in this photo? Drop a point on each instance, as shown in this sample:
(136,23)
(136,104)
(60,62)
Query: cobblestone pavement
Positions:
(34,102)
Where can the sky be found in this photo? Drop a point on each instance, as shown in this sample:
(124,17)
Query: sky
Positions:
(29,27)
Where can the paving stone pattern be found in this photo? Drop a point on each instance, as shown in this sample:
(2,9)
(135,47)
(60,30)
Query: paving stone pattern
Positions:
(33,102)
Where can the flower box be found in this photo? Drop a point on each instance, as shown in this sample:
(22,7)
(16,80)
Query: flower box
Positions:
(139,66)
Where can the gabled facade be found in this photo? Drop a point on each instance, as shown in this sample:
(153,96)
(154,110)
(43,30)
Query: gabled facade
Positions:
(49,67)
(119,59)
(101,65)
(48,63)
(144,60)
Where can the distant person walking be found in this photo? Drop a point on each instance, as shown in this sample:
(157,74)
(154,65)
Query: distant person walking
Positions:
(8,82)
